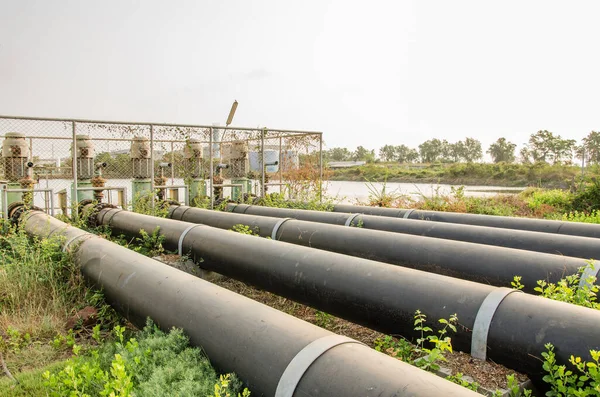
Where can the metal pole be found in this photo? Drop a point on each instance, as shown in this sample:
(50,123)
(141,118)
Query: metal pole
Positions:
(210,182)
(74,212)
(5,201)
(172,165)
(582,168)
(152,166)
(321,168)
(262,162)
(280,167)
(51,193)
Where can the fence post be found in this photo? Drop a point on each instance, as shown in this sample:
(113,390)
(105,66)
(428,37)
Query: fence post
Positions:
(321,167)
(210,153)
(74,203)
(152,167)
(262,162)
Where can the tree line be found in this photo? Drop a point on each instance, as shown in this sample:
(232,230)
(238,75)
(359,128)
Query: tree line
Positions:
(542,146)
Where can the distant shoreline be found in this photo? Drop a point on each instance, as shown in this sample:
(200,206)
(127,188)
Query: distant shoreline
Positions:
(474,174)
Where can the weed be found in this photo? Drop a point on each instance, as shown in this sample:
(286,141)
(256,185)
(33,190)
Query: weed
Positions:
(459,380)
(421,355)
(583,380)
(245,229)
(512,384)
(142,204)
(382,197)
(150,244)
(323,319)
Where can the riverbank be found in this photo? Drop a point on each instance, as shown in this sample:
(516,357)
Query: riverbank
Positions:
(482,174)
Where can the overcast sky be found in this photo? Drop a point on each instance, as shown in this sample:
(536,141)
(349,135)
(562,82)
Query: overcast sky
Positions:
(364,72)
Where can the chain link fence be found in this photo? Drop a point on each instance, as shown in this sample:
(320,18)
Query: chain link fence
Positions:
(196,165)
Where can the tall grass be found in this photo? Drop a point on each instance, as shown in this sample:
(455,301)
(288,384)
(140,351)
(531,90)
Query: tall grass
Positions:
(39,284)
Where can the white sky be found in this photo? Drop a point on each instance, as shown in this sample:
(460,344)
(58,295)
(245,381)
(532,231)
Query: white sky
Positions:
(364,72)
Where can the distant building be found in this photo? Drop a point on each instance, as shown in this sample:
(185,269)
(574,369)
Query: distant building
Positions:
(345,164)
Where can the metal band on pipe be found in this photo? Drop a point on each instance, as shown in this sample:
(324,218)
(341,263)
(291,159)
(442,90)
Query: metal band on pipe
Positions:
(114,212)
(350,219)
(185,232)
(407,213)
(182,214)
(484,318)
(303,360)
(277,226)
(73,239)
(589,271)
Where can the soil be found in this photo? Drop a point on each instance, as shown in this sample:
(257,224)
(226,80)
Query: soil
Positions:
(489,375)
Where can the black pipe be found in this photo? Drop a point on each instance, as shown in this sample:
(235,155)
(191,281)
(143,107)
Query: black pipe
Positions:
(238,334)
(504,222)
(378,295)
(557,244)
(475,262)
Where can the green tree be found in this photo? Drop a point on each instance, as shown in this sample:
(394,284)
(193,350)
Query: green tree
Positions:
(404,154)
(525,155)
(544,146)
(456,151)
(363,154)
(502,151)
(472,151)
(446,150)
(591,145)
(388,153)
(431,150)
(337,154)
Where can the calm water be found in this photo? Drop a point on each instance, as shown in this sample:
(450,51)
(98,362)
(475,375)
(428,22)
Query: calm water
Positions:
(350,192)
(346,192)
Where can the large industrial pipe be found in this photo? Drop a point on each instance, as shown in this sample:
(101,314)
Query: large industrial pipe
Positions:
(274,353)
(558,244)
(511,328)
(504,222)
(481,263)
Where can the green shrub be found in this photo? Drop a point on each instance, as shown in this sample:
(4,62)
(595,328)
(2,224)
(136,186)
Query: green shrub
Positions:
(582,379)
(154,364)
(577,216)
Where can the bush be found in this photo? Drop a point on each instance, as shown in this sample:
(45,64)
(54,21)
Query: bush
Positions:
(154,364)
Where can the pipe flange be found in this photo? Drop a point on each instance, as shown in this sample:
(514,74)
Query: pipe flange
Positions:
(91,213)
(17,209)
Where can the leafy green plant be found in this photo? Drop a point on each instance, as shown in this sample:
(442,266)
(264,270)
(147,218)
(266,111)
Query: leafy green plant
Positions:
(568,290)
(153,364)
(441,342)
(400,348)
(245,229)
(421,354)
(580,216)
(150,244)
(459,380)
(222,388)
(514,390)
(142,204)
